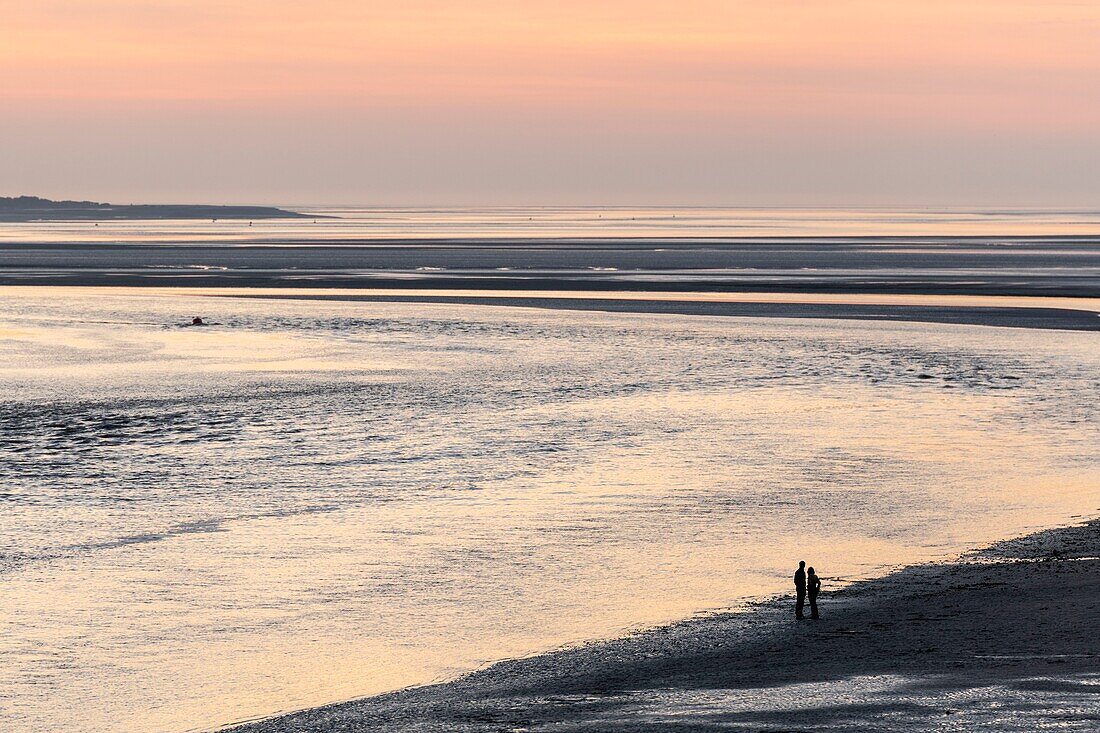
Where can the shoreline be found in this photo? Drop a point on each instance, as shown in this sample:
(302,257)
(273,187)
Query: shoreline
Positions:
(1028,311)
(758,305)
(1007,636)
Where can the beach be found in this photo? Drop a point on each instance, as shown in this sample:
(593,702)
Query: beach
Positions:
(519,367)
(385,463)
(1006,638)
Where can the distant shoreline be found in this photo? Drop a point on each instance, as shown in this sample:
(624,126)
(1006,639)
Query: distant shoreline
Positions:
(1013,630)
(35,209)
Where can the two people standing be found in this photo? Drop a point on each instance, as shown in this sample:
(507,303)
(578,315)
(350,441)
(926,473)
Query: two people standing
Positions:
(805,580)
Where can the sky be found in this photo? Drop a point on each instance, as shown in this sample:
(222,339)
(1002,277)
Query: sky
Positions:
(482,102)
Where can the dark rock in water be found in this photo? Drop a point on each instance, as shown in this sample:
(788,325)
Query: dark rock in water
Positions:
(33,208)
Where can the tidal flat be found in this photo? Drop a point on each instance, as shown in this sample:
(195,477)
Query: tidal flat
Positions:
(309,501)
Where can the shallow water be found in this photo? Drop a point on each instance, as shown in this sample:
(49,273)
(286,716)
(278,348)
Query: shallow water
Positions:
(311,501)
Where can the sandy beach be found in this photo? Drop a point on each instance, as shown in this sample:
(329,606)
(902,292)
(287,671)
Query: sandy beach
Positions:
(1006,638)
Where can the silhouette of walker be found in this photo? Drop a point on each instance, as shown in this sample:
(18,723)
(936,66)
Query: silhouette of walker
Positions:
(800,590)
(815,588)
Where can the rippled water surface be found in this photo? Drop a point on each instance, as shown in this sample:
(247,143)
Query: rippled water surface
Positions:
(311,501)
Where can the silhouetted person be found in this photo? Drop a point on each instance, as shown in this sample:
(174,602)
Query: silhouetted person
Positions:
(814,588)
(800,589)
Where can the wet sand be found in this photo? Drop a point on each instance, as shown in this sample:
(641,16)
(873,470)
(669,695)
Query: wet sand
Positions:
(1060,313)
(614,274)
(1067,266)
(1004,639)
(967,310)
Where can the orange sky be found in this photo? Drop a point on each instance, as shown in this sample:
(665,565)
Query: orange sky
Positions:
(559,83)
